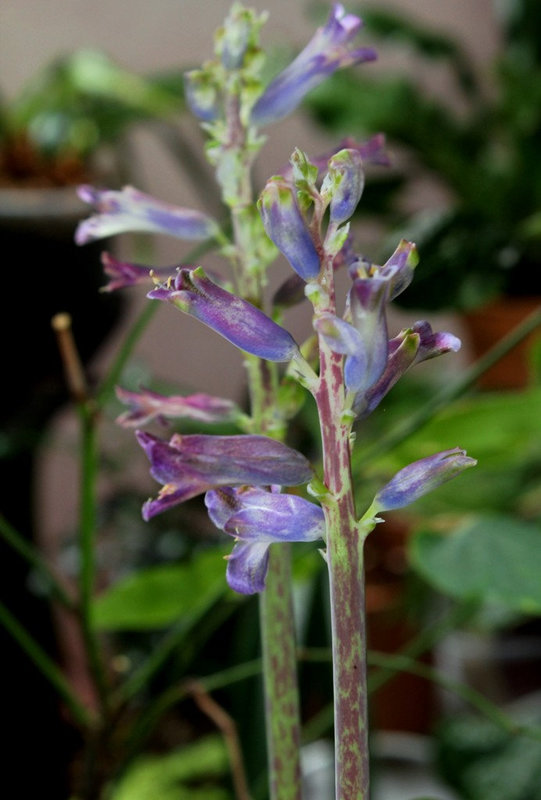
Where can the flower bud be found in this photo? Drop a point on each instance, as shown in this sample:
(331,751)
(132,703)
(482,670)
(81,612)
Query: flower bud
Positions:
(287,228)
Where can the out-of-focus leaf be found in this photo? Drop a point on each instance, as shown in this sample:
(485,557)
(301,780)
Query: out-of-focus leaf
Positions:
(158,596)
(189,773)
(492,558)
(499,429)
(485,762)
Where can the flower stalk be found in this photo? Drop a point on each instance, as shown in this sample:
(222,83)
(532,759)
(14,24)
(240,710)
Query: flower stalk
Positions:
(349,367)
(282,706)
(346,572)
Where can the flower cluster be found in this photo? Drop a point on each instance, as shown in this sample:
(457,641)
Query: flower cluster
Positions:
(305,212)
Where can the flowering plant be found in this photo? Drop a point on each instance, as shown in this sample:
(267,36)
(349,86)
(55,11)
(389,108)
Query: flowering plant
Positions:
(348,367)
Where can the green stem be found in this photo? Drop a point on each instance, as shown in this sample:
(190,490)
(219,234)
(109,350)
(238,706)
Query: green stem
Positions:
(47,667)
(188,633)
(276,601)
(345,541)
(30,554)
(87,549)
(279,670)
(346,582)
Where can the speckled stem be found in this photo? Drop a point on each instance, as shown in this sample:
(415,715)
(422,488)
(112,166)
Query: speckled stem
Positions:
(280,668)
(346,578)
(282,712)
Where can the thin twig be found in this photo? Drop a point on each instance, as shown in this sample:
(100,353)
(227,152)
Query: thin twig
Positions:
(227,726)
(73,367)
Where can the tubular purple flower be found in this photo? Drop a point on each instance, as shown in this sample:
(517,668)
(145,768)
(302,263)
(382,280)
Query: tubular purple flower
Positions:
(146,406)
(257,518)
(331,48)
(343,338)
(346,173)
(434,344)
(193,464)
(122,274)
(364,341)
(367,300)
(411,346)
(287,228)
(421,477)
(238,321)
(132,210)
(402,354)
(398,270)
(291,290)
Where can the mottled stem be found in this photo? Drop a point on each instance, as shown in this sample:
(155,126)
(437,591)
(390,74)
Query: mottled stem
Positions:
(346,578)
(276,601)
(345,540)
(279,670)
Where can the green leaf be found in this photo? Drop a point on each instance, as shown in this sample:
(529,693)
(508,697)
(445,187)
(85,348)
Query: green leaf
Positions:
(175,775)
(485,762)
(494,558)
(158,596)
(498,429)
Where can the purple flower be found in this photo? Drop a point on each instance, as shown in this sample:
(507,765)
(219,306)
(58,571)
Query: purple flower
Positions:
(331,48)
(411,346)
(257,518)
(192,464)
(235,319)
(287,228)
(131,210)
(146,406)
(421,477)
(122,274)
(343,338)
(364,341)
(346,178)
(397,271)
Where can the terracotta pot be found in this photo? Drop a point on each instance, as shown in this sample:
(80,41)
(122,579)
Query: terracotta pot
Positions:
(488,325)
(406,702)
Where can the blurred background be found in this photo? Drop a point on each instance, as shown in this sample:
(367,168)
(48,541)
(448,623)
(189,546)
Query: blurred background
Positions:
(92,92)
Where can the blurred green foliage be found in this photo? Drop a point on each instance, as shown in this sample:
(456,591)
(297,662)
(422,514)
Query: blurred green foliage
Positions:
(74,106)
(479,142)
